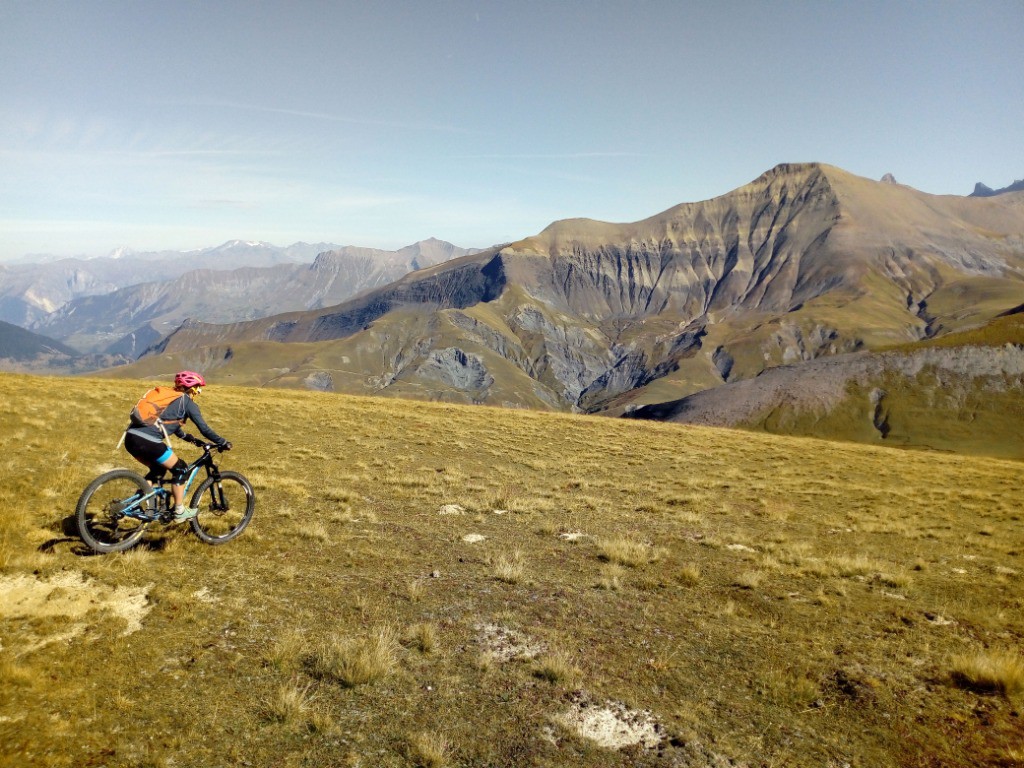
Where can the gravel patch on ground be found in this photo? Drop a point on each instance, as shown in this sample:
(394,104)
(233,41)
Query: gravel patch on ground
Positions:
(505,644)
(73,596)
(611,724)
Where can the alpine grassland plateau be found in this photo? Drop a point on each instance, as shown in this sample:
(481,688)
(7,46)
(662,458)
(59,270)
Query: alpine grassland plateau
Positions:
(430,584)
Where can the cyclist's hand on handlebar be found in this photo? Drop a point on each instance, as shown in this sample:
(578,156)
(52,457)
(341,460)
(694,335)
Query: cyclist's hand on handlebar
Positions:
(225,446)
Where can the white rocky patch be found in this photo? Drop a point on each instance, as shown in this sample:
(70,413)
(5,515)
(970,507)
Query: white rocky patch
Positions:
(452,509)
(572,536)
(473,538)
(504,644)
(740,548)
(612,724)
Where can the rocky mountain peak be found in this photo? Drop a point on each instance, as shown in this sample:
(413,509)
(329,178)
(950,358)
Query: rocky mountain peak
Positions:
(889,179)
(982,190)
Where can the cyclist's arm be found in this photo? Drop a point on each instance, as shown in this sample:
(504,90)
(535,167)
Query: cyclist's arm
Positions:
(192,411)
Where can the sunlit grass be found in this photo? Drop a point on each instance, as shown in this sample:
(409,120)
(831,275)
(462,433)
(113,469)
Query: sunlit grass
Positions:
(741,588)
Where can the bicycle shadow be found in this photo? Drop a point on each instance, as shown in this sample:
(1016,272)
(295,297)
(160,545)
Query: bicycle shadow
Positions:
(68,526)
(157,541)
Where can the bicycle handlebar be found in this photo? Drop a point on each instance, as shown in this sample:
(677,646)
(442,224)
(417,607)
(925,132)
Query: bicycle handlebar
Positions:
(207,446)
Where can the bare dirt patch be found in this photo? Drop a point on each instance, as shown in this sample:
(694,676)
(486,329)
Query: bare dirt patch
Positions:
(611,724)
(505,644)
(73,596)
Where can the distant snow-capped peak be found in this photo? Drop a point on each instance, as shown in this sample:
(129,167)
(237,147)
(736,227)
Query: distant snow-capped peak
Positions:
(120,252)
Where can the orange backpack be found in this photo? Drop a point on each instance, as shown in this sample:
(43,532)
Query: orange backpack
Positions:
(150,409)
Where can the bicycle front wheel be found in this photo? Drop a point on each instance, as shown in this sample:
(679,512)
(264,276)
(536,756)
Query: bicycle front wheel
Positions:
(225,507)
(102,512)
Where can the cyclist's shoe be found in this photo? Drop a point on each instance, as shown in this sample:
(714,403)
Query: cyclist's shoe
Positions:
(186,513)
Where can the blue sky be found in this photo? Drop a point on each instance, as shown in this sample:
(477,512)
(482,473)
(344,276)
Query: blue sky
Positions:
(184,124)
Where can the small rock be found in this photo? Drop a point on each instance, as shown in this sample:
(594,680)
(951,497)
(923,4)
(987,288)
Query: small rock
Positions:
(435,574)
(452,509)
(473,538)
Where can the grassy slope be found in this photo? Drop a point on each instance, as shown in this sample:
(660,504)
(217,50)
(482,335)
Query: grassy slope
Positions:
(954,413)
(797,603)
(20,344)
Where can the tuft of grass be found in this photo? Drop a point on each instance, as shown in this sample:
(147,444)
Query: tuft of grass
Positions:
(628,551)
(510,568)
(290,704)
(999,671)
(286,652)
(846,566)
(486,662)
(415,590)
(556,666)
(785,686)
(357,661)
(749,579)
(13,674)
(689,574)
(611,577)
(314,530)
(428,749)
(422,637)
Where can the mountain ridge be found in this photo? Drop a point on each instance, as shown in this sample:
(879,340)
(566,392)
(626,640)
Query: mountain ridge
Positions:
(95,322)
(31,291)
(806,261)
(981,190)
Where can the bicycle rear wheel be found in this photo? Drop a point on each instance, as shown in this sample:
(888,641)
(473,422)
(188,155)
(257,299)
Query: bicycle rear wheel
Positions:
(225,507)
(102,521)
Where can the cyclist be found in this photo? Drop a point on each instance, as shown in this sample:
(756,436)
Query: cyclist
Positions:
(151,444)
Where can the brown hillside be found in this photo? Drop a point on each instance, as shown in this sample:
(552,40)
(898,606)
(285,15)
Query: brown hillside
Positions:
(432,584)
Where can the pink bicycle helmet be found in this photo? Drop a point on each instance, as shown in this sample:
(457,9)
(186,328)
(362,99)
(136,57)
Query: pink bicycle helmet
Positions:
(189,379)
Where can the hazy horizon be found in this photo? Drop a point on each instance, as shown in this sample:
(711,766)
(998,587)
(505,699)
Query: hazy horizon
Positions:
(177,126)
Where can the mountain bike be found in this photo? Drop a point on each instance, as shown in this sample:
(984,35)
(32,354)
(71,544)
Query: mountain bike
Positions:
(115,509)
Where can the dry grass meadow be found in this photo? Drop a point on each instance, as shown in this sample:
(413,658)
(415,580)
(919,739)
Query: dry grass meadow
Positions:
(429,585)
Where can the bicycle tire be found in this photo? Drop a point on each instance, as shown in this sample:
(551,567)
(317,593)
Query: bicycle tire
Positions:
(100,525)
(215,524)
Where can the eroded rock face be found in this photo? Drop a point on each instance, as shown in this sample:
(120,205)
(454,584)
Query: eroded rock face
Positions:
(794,344)
(566,354)
(456,368)
(320,380)
(745,249)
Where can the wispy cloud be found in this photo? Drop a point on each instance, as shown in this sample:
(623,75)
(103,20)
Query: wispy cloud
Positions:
(415,125)
(550,156)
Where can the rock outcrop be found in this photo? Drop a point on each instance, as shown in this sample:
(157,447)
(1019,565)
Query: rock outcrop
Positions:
(981,190)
